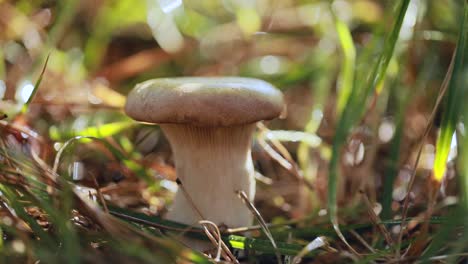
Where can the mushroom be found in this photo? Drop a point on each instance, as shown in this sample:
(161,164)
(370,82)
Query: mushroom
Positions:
(209,122)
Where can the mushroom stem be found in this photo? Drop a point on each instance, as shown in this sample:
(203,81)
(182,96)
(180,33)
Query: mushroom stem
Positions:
(212,163)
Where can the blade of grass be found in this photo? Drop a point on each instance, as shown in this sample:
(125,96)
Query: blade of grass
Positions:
(313,245)
(455,98)
(14,199)
(346,78)
(25,107)
(262,222)
(289,249)
(354,110)
(309,167)
(137,168)
(392,167)
(310,139)
(418,157)
(236,241)
(402,98)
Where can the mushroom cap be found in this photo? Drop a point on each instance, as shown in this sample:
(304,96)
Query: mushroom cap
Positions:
(204,101)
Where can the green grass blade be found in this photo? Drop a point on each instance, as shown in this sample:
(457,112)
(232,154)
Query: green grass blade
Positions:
(402,98)
(139,170)
(455,97)
(66,13)
(238,242)
(354,110)
(14,199)
(241,242)
(25,107)
(346,78)
(392,167)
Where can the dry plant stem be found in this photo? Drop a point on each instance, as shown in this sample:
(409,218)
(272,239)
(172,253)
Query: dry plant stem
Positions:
(376,220)
(283,151)
(99,193)
(222,249)
(22,129)
(218,234)
(423,139)
(262,222)
(215,238)
(227,255)
(361,239)
(212,163)
(292,168)
(148,223)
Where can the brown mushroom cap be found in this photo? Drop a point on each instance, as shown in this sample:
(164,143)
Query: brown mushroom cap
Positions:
(204,101)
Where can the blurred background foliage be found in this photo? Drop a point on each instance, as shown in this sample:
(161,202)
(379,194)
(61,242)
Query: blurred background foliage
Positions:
(369,155)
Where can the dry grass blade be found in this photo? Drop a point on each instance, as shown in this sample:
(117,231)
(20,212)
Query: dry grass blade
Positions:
(361,239)
(218,243)
(376,220)
(336,226)
(262,222)
(99,193)
(286,164)
(189,199)
(216,240)
(152,224)
(213,237)
(421,144)
(313,245)
(282,150)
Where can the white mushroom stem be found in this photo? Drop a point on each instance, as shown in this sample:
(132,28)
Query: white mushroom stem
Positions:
(212,163)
